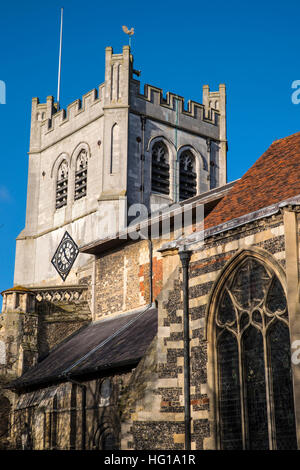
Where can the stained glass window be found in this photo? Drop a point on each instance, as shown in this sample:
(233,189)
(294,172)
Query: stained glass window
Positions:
(229,396)
(255,392)
(282,386)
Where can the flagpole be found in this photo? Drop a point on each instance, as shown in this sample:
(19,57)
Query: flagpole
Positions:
(59,60)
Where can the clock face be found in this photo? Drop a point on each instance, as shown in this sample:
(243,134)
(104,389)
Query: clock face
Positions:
(65,255)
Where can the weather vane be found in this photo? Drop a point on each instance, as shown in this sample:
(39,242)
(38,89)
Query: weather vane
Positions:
(130,33)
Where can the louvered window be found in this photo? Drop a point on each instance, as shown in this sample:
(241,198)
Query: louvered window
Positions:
(62,185)
(255,391)
(187,176)
(81,175)
(160,168)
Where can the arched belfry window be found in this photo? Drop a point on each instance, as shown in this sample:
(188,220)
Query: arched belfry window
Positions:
(255,393)
(81,175)
(62,184)
(187,176)
(160,168)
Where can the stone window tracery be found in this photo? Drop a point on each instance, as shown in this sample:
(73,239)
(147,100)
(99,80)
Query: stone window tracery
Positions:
(160,168)
(62,185)
(187,176)
(255,394)
(81,175)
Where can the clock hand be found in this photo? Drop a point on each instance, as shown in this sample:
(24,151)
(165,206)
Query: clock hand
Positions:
(65,254)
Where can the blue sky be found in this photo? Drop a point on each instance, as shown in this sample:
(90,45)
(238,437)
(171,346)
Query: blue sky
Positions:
(252,46)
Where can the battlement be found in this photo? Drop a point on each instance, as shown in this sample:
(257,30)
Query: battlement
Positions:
(208,112)
(49,124)
(84,110)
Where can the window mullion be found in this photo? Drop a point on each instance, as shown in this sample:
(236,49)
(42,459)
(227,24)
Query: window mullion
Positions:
(242,392)
(268,394)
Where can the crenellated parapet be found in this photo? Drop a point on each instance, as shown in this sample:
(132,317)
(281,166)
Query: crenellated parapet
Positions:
(50,124)
(118,128)
(203,118)
(173,102)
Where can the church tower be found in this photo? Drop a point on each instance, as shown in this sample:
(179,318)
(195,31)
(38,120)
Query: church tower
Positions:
(116,147)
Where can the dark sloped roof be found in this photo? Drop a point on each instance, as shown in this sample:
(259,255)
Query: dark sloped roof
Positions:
(274,177)
(106,344)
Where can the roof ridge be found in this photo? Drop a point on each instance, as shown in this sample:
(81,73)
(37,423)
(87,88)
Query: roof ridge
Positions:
(272,178)
(285,138)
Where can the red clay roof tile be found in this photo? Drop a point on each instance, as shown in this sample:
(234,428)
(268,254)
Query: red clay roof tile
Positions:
(274,177)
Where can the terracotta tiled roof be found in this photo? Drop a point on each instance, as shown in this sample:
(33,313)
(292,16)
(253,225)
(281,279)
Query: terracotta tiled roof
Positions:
(274,177)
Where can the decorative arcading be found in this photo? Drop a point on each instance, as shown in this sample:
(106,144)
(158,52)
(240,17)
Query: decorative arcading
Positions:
(194,109)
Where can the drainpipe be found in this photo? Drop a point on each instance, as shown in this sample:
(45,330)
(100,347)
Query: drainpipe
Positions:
(176,166)
(143,124)
(185,257)
(83,410)
(150,245)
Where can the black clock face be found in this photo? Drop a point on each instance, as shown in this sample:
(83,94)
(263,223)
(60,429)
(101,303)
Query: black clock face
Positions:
(65,255)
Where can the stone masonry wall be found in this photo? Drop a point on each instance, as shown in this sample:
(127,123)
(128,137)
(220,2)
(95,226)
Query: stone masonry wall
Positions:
(123,278)
(154,418)
(54,415)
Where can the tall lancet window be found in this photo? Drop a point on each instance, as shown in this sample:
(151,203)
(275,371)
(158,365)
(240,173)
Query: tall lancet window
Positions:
(255,391)
(81,175)
(115,150)
(160,168)
(62,185)
(187,176)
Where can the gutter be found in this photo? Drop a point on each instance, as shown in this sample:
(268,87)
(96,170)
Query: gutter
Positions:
(57,379)
(231,224)
(168,213)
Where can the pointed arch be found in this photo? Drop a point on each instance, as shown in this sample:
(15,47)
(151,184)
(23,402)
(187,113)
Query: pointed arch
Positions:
(229,267)
(160,168)
(249,355)
(62,184)
(201,161)
(167,142)
(81,146)
(187,175)
(191,165)
(81,170)
(167,171)
(62,156)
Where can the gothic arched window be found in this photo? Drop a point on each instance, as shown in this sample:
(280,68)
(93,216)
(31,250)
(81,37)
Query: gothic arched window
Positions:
(255,391)
(62,185)
(81,175)
(187,176)
(108,441)
(160,168)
